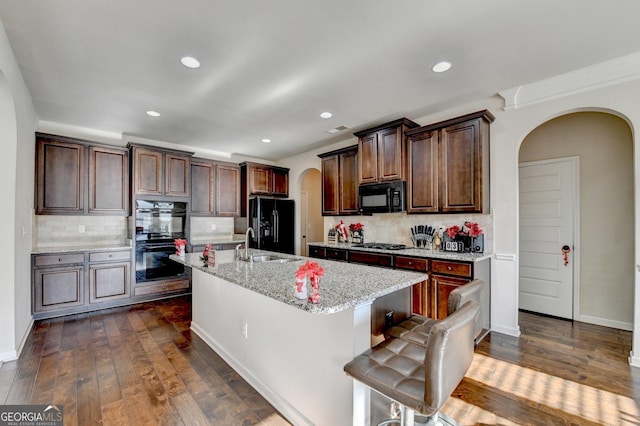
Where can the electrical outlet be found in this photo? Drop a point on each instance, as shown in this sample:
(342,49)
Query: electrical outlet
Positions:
(81,229)
(213,226)
(245,330)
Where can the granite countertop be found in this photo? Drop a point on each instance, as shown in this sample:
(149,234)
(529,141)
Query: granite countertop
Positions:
(343,286)
(76,249)
(414,252)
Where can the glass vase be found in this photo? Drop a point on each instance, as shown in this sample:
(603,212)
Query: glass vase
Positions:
(315,290)
(300,289)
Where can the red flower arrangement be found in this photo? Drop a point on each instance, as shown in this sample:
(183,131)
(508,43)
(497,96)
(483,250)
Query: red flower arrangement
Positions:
(180,245)
(356,227)
(313,271)
(470,229)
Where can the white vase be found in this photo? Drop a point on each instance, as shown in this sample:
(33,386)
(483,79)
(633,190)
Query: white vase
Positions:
(302,294)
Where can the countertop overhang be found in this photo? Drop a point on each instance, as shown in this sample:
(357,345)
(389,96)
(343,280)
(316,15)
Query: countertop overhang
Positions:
(343,286)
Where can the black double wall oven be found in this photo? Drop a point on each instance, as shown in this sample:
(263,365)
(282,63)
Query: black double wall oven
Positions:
(158,224)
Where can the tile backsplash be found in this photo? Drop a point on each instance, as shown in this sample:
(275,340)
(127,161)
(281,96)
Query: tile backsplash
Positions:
(64,231)
(201,228)
(396,227)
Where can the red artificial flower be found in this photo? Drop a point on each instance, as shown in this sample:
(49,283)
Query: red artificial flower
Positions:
(309,269)
(452,231)
(355,226)
(474,229)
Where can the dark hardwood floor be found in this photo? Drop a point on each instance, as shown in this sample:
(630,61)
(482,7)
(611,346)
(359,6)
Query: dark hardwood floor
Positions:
(141,365)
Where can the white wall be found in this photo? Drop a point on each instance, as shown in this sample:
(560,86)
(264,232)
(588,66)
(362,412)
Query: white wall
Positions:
(17,123)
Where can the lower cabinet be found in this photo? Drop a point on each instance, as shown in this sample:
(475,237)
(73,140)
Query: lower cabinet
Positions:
(429,298)
(66,283)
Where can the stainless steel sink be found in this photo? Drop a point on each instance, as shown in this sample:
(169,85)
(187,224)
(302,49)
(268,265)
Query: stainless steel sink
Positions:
(261,258)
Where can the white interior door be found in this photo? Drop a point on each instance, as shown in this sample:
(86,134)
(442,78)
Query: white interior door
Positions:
(548,212)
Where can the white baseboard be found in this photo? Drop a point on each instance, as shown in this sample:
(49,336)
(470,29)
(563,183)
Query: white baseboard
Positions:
(509,331)
(634,361)
(286,409)
(606,322)
(13,355)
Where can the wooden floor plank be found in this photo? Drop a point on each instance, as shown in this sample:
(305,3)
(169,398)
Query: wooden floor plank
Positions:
(141,365)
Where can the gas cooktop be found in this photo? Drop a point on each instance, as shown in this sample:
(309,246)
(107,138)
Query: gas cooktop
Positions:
(381,246)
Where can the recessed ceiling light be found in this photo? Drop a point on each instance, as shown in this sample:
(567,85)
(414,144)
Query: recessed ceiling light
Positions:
(441,66)
(153,113)
(190,62)
(326,115)
(266,140)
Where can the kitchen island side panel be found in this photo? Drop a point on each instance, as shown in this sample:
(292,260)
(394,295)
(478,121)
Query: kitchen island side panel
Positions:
(293,358)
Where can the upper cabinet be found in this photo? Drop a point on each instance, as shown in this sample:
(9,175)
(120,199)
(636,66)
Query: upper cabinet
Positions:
(215,188)
(340,182)
(448,165)
(74,176)
(381,152)
(261,179)
(159,173)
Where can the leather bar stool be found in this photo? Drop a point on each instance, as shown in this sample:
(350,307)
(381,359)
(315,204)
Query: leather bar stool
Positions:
(416,328)
(420,378)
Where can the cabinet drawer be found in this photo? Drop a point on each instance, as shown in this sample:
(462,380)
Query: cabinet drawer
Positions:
(336,254)
(162,287)
(452,268)
(109,256)
(319,252)
(58,259)
(411,263)
(367,258)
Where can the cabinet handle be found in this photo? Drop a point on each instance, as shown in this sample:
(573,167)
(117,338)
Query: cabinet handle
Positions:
(449,268)
(59,259)
(410,263)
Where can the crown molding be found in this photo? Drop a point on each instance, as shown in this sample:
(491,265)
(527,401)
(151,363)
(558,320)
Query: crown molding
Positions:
(609,73)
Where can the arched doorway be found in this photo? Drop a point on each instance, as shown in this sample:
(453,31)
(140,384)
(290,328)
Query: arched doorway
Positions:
(603,256)
(311,222)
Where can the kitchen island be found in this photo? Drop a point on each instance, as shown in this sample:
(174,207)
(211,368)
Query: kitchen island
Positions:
(289,350)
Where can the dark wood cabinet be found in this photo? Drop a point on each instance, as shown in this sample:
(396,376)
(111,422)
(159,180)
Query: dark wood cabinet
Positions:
(109,276)
(74,176)
(215,188)
(108,181)
(446,275)
(340,182)
(317,252)
(158,173)
(381,152)
(369,258)
(227,190)
(449,166)
(419,292)
(336,254)
(262,179)
(65,283)
(202,187)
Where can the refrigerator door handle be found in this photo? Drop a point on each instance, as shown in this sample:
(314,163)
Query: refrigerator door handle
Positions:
(276,226)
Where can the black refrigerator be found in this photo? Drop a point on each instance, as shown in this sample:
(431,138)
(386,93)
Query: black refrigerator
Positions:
(272,220)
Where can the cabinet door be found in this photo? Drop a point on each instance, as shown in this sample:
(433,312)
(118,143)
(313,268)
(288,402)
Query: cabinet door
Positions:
(260,180)
(202,188)
(108,181)
(58,288)
(461,168)
(443,286)
(280,185)
(227,190)
(331,186)
(317,252)
(177,173)
(422,185)
(390,165)
(147,172)
(368,164)
(108,281)
(349,182)
(60,177)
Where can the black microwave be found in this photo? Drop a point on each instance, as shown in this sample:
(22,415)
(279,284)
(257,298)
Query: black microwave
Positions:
(382,197)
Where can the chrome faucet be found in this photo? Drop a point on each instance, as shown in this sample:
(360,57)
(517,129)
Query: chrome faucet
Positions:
(246,241)
(238,254)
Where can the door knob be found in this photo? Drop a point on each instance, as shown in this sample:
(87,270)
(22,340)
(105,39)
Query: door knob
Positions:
(565,254)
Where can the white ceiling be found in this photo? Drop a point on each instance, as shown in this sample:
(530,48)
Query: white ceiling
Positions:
(270,67)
